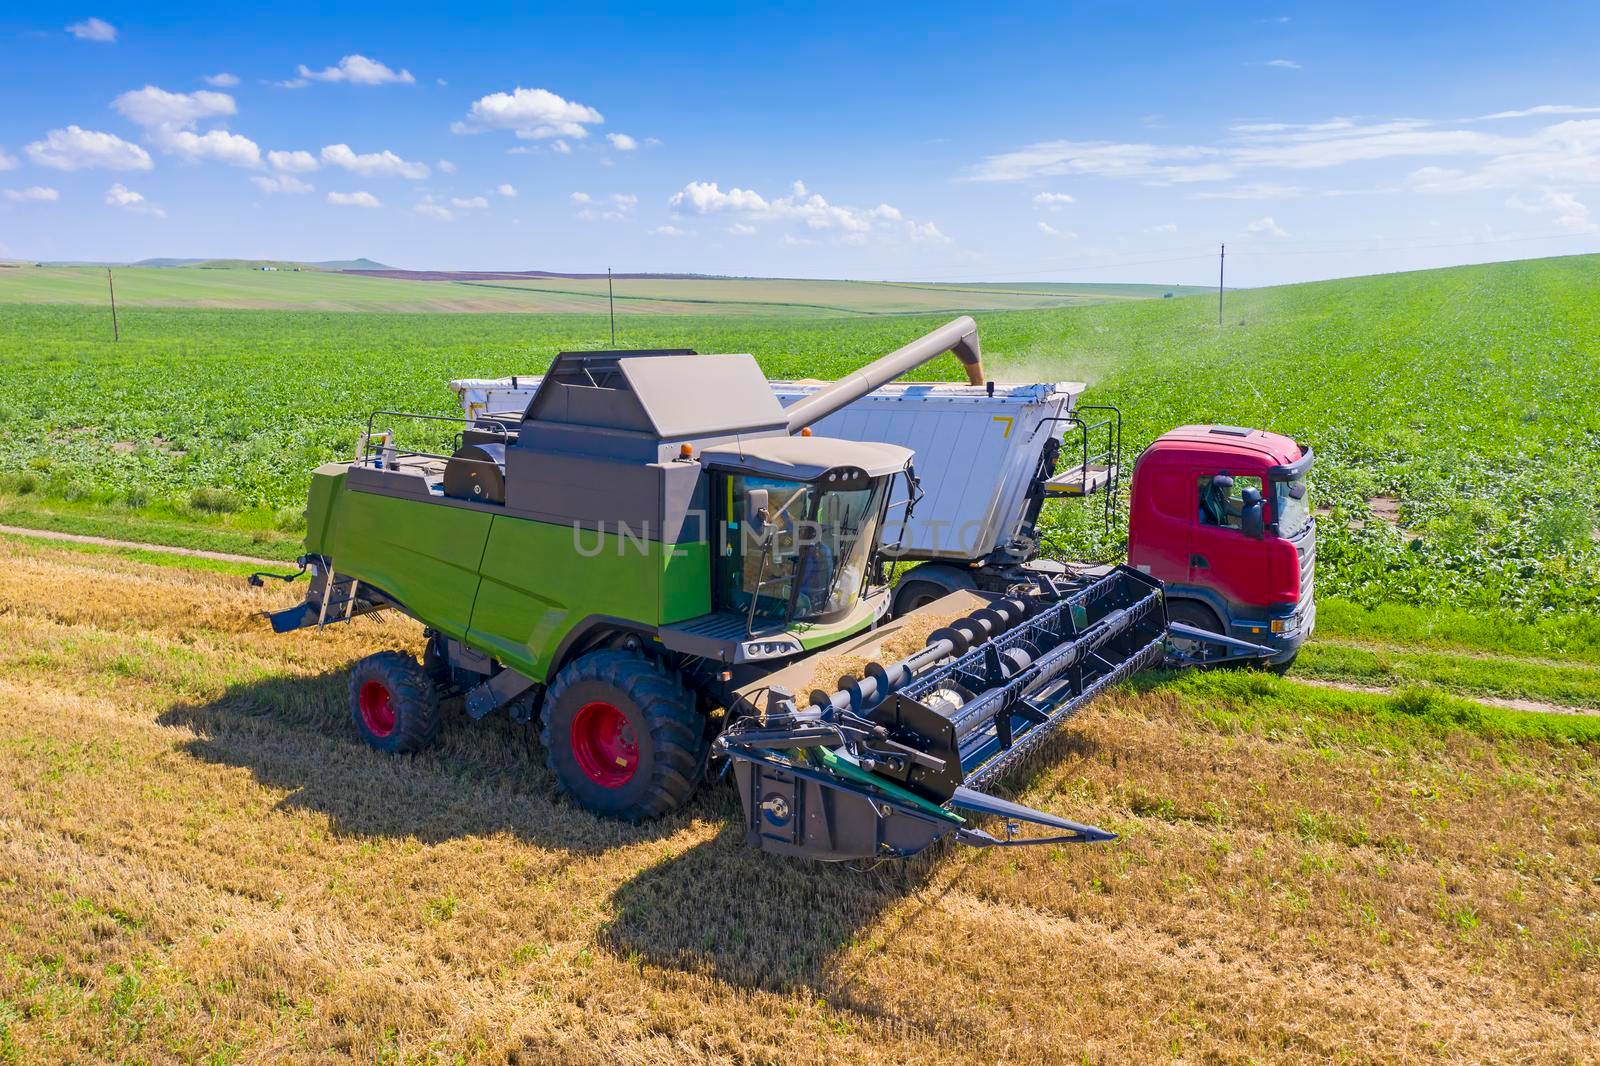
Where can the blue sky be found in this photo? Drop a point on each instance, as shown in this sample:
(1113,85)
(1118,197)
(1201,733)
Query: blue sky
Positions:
(1106,142)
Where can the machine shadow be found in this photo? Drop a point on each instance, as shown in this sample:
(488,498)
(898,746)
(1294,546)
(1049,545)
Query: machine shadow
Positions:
(770,923)
(480,778)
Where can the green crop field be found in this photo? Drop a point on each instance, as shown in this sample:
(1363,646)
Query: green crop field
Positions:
(1455,412)
(315,290)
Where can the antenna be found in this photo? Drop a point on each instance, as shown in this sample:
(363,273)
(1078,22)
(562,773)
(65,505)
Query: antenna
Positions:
(1222,261)
(116,331)
(611,300)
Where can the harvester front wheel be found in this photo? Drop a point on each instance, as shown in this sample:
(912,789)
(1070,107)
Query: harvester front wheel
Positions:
(622,735)
(394,703)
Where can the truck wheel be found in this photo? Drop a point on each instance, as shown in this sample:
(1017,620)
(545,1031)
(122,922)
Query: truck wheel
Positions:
(394,703)
(1193,613)
(926,583)
(622,736)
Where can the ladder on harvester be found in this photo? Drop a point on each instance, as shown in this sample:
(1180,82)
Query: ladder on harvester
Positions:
(1099,455)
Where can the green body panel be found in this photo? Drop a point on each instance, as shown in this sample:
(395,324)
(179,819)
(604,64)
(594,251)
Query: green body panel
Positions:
(327,482)
(424,555)
(541,579)
(686,582)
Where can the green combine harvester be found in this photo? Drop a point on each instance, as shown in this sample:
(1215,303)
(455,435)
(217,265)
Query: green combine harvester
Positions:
(651,560)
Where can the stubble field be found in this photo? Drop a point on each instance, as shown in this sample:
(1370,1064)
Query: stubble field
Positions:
(201,862)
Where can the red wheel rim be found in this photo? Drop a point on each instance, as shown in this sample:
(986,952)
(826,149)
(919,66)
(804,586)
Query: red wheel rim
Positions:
(604,744)
(377,709)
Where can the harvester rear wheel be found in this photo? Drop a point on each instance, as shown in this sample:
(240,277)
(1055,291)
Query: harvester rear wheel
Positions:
(622,735)
(394,703)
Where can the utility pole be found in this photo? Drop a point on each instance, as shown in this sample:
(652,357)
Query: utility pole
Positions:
(1222,261)
(116,331)
(611,299)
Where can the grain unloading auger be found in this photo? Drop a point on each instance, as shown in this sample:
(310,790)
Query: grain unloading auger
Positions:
(652,557)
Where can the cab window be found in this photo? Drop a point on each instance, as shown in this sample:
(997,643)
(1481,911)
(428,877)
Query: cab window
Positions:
(1221,504)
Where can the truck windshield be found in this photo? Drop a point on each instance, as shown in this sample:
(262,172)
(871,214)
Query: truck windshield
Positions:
(1291,505)
(810,561)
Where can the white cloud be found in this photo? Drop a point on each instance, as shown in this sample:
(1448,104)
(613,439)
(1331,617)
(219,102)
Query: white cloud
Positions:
(217,145)
(1282,64)
(1054,201)
(384,163)
(289,83)
(507,190)
(1155,163)
(669,231)
(75,148)
(354,199)
(559,147)
(1050,231)
(428,209)
(1562,207)
(445,166)
(740,229)
(8,162)
(293,162)
(533,114)
(1165,227)
(286,183)
(1542,109)
(706,196)
(1253,191)
(1265,227)
(221,80)
(36,193)
(358,70)
(622,142)
(120,195)
(615,208)
(151,106)
(93,29)
(802,206)
(469,203)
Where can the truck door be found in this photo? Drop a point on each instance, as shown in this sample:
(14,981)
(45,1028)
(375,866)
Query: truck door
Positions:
(1221,556)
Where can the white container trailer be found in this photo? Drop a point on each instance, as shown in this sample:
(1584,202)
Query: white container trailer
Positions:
(981,458)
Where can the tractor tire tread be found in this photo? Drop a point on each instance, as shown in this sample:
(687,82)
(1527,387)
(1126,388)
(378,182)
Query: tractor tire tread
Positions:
(676,731)
(416,697)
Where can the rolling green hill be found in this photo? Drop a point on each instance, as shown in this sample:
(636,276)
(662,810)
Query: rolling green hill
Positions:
(243,284)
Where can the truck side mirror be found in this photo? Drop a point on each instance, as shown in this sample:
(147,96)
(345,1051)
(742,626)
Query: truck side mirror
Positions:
(1252,516)
(755,510)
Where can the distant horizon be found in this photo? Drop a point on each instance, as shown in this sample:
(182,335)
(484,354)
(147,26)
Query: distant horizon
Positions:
(331,265)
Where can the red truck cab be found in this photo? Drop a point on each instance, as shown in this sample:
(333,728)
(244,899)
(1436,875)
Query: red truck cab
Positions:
(1221,516)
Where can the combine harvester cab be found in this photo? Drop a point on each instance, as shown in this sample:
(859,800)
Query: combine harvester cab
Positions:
(651,550)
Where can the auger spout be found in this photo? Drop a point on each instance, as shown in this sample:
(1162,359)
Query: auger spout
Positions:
(959,337)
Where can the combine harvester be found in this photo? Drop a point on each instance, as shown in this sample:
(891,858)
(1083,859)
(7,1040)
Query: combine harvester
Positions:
(652,554)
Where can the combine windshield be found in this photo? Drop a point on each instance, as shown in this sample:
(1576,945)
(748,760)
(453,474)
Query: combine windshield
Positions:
(806,560)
